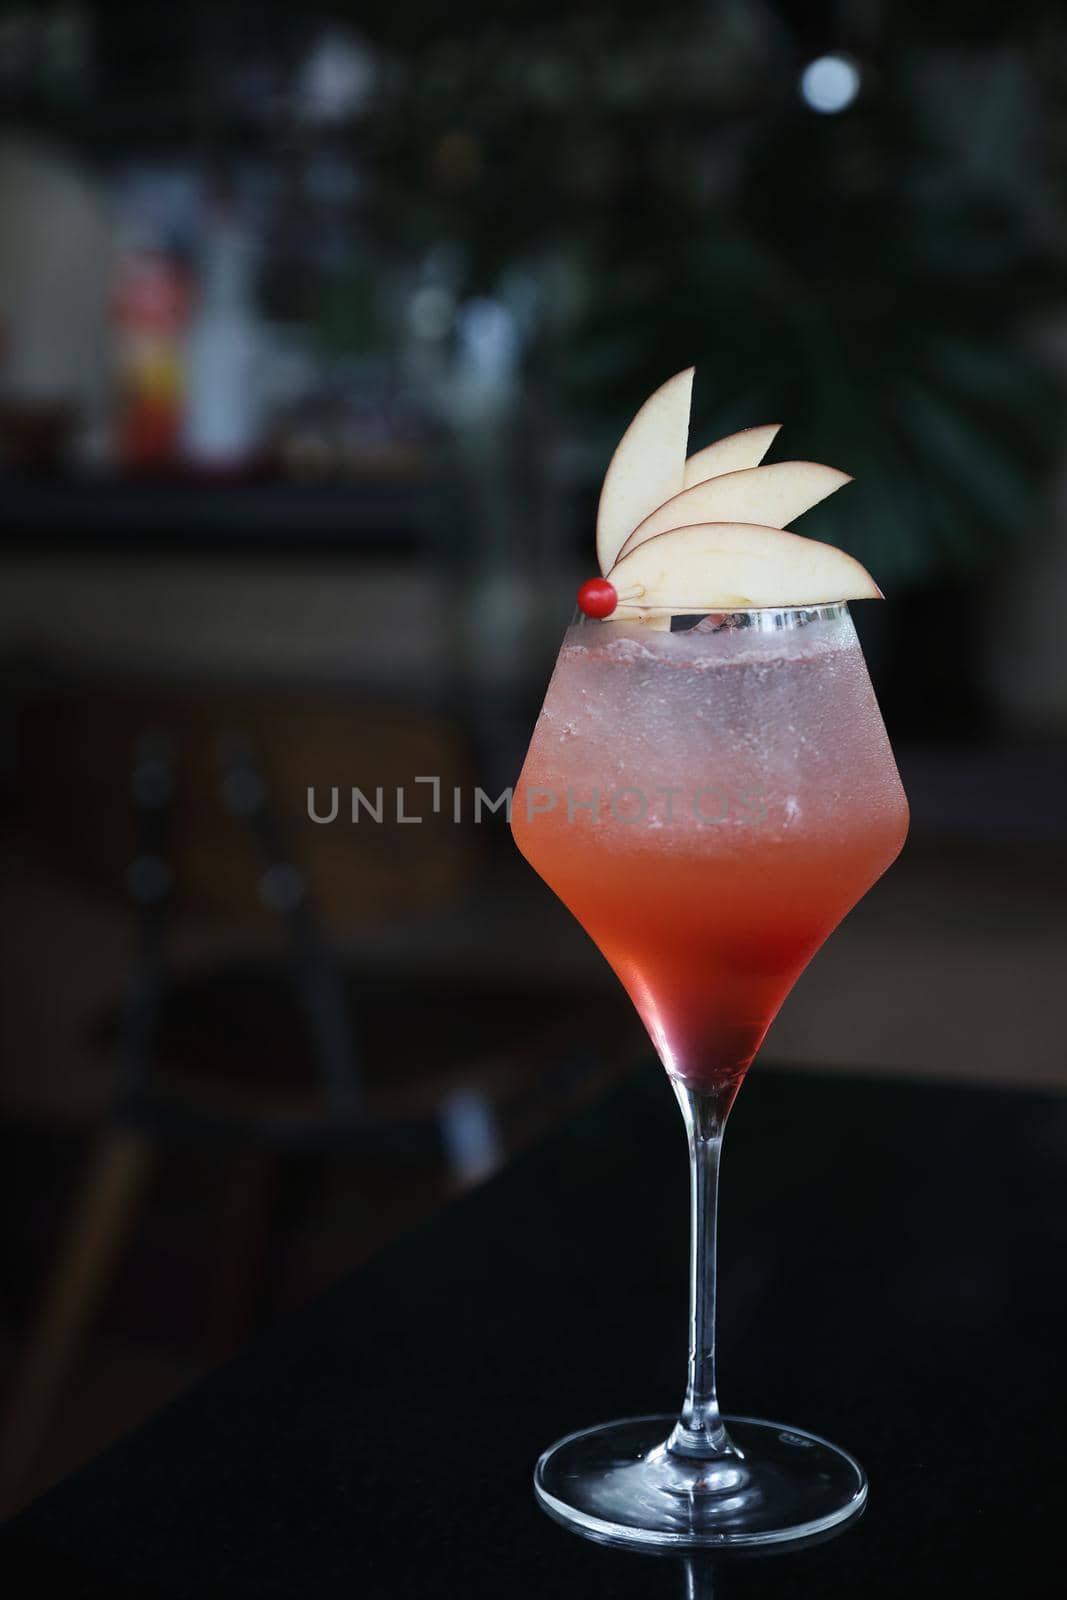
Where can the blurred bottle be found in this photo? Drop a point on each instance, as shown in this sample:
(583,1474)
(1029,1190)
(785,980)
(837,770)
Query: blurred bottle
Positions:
(226,354)
(151,314)
(55,252)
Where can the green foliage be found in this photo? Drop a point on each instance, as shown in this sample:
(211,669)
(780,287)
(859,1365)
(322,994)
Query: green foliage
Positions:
(881,325)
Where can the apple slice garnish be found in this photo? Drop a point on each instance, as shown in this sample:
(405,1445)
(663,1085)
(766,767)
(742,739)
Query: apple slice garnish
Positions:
(768,497)
(735,566)
(648,466)
(732,454)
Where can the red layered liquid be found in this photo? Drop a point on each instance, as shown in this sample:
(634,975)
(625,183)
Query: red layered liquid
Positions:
(710,949)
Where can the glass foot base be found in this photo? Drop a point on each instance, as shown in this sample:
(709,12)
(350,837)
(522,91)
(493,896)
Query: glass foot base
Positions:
(619,1484)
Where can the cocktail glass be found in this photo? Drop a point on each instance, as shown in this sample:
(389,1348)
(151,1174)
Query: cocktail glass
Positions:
(709,800)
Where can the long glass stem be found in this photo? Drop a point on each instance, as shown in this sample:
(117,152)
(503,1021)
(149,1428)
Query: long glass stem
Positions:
(699,1431)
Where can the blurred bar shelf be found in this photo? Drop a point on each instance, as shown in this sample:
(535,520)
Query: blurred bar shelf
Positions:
(417,518)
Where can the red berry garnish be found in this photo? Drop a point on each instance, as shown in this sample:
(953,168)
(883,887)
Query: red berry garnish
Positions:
(597,597)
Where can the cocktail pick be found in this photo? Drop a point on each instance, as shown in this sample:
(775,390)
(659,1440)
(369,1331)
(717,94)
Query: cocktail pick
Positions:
(598,598)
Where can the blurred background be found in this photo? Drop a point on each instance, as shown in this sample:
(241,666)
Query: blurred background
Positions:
(317,327)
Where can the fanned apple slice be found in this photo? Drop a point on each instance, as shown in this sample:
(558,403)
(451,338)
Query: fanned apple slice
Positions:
(735,566)
(732,454)
(767,496)
(648,465)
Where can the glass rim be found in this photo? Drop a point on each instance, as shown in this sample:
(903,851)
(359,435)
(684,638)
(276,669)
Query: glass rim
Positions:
(764,619)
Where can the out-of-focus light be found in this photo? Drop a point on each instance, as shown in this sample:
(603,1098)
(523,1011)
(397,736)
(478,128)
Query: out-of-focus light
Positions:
(489,343)
(431,312)
(337,79)
(830,84)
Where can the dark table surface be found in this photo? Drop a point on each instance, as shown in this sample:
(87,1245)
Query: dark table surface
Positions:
(892,1264)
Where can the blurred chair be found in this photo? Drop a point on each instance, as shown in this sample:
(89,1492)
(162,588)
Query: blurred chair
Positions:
(198,803)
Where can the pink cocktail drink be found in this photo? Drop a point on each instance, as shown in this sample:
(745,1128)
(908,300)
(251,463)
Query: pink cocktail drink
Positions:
(709,804)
